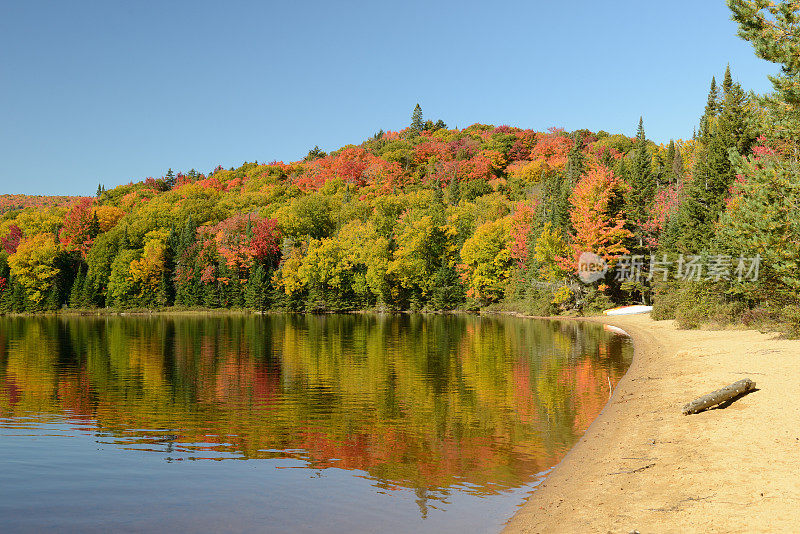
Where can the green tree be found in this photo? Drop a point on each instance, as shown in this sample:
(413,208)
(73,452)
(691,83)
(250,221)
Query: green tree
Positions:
(642,184)
(169,179)
(773,28)
(257,289)
(76,293)
(416,119)
(730,134)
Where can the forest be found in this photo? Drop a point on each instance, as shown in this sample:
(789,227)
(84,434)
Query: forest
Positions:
(431,218)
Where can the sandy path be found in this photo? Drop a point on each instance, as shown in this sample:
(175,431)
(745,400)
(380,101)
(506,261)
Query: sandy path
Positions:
(644,466)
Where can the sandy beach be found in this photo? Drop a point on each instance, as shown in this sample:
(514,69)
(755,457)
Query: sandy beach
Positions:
(644,466)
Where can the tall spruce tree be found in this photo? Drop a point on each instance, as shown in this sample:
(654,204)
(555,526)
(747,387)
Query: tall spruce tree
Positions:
(169,179)
(417,123)
(642,183)
(727,136)
(76,293)
(710,112)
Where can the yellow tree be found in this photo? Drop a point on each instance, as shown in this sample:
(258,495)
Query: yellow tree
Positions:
(108,216)
(33,264)
(487,260)
(145,272)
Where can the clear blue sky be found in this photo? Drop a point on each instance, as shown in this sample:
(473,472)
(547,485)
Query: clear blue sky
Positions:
(113,91)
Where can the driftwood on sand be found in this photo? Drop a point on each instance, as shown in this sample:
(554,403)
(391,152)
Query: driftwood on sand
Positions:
(721,395)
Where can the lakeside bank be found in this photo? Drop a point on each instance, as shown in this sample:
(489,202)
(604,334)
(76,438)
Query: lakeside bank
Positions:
(644,466)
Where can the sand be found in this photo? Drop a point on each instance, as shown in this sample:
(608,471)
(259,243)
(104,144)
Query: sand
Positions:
(644,466)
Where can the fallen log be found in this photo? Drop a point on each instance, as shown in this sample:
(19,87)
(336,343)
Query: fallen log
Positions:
(721,395)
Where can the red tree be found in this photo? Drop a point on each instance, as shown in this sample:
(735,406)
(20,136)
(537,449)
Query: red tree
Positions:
(76,232)
(11,241)
(265,243)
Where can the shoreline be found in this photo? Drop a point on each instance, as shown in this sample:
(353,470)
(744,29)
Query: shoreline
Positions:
(642,465)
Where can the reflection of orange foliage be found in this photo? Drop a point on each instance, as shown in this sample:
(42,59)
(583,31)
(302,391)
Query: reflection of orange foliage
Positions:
(525,402)
(75,395)
(485,414)
(591,392)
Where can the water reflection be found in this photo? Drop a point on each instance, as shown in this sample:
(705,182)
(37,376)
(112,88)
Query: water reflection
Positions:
(431,404)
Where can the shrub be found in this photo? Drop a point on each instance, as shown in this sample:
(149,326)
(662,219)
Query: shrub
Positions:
(666,297)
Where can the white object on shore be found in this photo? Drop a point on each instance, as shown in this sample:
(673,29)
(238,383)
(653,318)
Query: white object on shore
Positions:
(628,310)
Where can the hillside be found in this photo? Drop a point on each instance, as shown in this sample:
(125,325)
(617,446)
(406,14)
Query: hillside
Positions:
(426,218)
(19,202)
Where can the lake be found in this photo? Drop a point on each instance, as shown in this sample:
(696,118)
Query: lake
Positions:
(290,423)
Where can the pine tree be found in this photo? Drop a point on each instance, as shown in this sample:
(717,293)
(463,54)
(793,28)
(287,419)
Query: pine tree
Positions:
(727,82)
(642,184)
(669,164)
(76,293)
(734,122)
(89,297)
(713,99)
(169,179)
(453,191)
(166,287)
(94,226)
(677,167)
(255,296)
(315,153)
(100,190)
(710,113)
(713,172)
(416,119)
(19,298)
(575,166)
(773,28)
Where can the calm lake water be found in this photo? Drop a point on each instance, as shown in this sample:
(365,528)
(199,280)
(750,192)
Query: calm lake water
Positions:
(285,423)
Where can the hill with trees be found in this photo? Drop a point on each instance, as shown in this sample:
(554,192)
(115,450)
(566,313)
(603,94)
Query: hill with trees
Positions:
(433,218)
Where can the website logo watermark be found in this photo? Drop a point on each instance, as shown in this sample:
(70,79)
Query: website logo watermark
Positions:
(684,267)
(591,267)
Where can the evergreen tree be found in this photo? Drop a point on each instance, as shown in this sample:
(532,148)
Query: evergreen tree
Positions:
(256,296)
(454,191)
(94,226)
(727,82)
(52,300)
(712,100)
(558,186)
(677,167)
(169,179)
(575,166)
(76,293)
(89,292)
(166,287)
(642,184)
(710,113)
(100,190)
(773,28)
(416,119)
(315,153)
(735,120)
(211,295)
(19,299)
(669,163)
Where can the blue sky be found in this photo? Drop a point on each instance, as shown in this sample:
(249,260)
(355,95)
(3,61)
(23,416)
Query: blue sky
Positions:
(114,91)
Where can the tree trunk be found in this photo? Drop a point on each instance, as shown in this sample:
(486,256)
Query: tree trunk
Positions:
(721,395)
